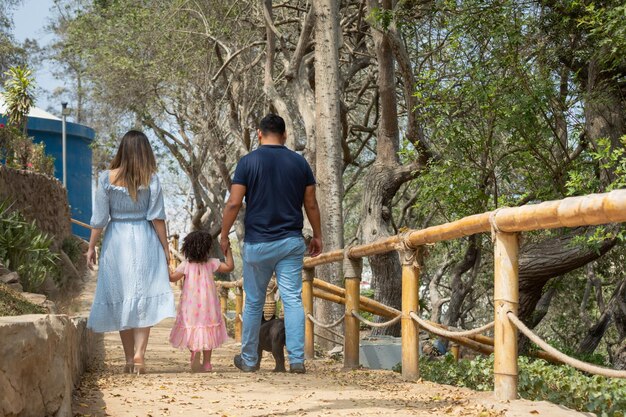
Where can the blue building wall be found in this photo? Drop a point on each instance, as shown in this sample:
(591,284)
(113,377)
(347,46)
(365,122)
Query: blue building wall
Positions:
(79,163)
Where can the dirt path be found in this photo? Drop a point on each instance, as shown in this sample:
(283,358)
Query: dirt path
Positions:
(169,389)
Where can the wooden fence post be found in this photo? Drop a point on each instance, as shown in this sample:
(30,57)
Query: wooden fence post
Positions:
(224,301)
(238,311)
(307,303)
(506,298)
(410,303)
(352,276)
(454,348)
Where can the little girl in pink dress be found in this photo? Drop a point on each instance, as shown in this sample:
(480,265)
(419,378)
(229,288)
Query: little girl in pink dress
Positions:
(199,324)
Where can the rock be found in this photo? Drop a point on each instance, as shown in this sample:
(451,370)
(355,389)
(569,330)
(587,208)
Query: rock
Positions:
(3,269)
(15,287)
(9,278)
(37,299)
(42,358)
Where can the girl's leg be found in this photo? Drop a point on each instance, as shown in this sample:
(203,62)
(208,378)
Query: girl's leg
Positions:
(207,356)
(141,336)
(206,363)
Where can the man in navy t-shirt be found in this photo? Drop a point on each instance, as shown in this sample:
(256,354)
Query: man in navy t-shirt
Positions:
(276,183)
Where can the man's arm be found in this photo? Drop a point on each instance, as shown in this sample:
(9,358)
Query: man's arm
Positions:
(233,205)
(313,214)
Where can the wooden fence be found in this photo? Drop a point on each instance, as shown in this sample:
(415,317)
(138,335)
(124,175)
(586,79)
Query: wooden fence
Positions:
(505,224)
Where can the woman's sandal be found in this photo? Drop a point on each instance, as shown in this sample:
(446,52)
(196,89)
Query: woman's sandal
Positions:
(139,368)
(129,368)
(206,367)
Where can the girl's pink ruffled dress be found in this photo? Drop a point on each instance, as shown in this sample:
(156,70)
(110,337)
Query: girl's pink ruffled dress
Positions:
(199,323)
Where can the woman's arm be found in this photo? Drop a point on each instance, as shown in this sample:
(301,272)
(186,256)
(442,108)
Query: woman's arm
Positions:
(229,264)
(91,252)
(159,226)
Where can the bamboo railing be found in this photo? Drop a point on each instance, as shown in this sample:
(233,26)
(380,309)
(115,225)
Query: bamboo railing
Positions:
(505,224)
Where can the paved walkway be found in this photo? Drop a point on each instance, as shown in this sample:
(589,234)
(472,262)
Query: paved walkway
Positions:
(169,389)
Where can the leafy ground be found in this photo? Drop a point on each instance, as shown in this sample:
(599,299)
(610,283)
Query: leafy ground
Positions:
(12,304)
(169,389)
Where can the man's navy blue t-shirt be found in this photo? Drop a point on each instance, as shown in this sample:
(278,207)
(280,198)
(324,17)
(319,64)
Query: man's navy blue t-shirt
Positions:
(275,179)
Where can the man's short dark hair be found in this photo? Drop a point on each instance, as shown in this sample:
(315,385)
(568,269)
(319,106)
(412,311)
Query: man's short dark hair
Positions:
(272,123)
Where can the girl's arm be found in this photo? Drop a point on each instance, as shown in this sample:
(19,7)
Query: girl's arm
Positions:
(176,276)
(229,264)
(91,252)
(159,226)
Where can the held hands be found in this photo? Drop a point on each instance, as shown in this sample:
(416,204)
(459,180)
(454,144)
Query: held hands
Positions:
(225,245)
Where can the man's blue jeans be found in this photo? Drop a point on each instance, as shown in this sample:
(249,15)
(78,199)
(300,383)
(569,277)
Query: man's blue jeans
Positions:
(260,261)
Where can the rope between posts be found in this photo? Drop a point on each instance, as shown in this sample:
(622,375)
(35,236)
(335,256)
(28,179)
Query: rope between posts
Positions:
(447,333)
(583,366)
(323,325)
(374,324)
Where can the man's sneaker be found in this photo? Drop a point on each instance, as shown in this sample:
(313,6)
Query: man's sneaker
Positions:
(242,366)
(297,368)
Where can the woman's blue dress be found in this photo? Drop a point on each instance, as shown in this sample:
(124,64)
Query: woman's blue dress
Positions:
(133,287)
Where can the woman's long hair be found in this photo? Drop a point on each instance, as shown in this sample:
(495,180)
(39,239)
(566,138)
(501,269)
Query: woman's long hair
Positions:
(134,161)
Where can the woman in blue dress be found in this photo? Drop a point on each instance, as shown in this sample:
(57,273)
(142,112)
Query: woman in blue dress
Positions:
(133,291)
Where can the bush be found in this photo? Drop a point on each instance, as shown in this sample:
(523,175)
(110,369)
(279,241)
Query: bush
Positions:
(25,249)
(72,248)
(538,381)
(20,152)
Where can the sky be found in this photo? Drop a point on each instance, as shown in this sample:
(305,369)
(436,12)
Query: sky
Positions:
(30,20)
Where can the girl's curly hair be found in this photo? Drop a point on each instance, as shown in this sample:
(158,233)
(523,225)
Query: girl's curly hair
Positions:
(196,246)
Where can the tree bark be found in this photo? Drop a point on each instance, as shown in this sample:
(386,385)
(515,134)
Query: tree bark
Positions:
(328,160)
(541,261)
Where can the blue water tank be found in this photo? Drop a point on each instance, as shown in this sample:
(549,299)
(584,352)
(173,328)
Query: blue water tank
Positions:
(45,128)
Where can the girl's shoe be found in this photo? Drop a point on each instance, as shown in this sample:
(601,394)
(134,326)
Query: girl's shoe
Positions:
(195,362)
(206,367)
(129,368)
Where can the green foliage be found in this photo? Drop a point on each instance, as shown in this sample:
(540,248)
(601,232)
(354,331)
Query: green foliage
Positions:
(20,152)
(18,95)
(25,249)
(72,248)
(538,381)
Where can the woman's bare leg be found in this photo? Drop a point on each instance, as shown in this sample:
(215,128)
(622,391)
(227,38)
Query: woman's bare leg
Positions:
(141,336)
(128,341)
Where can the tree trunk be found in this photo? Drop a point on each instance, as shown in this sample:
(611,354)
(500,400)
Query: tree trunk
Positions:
(328,160)
(541,261)
(384,179)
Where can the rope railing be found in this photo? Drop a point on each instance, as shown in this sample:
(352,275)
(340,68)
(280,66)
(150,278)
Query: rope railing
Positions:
(326,325)
(580,365)
(228,320)
(374,324)
(447,333)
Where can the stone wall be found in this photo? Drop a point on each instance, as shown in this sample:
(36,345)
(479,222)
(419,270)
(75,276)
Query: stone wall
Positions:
(39,198)
(42,358)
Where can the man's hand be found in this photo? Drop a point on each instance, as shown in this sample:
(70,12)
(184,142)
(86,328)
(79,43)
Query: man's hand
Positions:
(315,246)
(225,244)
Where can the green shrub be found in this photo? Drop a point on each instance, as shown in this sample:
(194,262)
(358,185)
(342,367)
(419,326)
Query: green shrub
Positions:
(538,381)
(72,248)
(25,249)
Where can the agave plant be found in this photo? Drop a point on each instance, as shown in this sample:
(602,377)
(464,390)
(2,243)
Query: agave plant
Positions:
(18,95)
(25,249)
